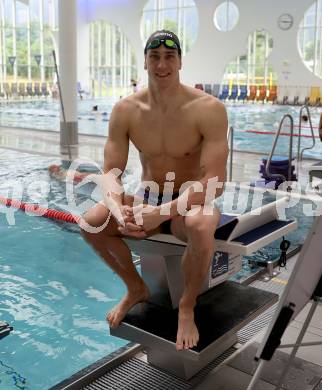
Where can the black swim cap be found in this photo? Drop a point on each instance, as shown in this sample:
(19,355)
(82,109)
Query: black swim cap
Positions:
(163,34)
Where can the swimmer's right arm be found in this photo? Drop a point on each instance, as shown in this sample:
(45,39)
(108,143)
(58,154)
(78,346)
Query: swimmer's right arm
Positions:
(116,153)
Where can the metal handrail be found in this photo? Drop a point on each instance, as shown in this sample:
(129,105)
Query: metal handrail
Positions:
(290,152)
(299,151)
(231,139)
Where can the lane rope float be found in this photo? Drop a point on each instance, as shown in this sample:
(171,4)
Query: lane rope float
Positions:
(41,211)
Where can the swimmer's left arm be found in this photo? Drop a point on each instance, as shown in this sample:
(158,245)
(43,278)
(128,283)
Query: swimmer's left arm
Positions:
(214,152)
(213,160)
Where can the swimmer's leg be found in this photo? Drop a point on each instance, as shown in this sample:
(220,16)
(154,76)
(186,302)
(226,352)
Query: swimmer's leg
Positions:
(198,232)
(109,245)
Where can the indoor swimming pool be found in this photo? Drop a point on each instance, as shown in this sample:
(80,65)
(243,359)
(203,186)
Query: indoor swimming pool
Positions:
(54,289)
(250,121)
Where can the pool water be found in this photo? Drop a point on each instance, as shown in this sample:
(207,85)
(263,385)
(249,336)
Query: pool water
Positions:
(55,293)
(54,290)
(246,118)
(45,115)
(251,118)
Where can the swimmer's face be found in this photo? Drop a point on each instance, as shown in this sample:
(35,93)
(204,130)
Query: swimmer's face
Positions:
(162,64)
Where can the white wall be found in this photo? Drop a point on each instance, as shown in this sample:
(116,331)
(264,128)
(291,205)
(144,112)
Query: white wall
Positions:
(213,49)
(83,49)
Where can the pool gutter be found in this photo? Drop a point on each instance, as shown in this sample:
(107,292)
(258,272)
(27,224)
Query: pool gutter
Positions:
(99,368)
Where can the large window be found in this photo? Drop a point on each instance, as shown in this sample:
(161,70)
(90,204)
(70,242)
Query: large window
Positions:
(26,40)
(178,16)
(252,68)
(310,38)
(112,62)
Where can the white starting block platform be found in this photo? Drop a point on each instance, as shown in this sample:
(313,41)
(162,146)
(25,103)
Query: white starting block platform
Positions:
(315,170)
(316,166)
(222,309)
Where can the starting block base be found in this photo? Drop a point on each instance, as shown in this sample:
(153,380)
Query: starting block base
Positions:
(219,314)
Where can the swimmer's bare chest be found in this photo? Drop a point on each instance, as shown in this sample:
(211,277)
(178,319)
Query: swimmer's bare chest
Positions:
(167,144)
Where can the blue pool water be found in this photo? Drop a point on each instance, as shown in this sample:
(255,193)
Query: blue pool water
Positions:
(54,290)
(266,118)
(55,293)
(44,115)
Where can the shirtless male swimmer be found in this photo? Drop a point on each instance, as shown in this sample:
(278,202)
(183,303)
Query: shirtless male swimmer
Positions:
(176,129)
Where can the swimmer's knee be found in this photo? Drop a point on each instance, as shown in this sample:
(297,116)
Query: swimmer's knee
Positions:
(201,228)
(197,225)
(90,221)
(98,221)
(91,233)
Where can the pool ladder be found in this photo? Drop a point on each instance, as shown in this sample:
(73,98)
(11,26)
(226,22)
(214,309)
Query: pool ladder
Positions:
(290,151)
(299,151)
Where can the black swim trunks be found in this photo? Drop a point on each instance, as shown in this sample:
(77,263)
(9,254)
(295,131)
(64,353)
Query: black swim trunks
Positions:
(165,227)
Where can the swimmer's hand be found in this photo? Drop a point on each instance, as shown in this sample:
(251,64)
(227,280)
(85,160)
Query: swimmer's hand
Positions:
(128,226)
(149,217)
(112,193)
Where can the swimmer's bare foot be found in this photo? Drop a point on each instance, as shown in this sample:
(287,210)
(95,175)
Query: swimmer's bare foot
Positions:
(188,335)
(131,298)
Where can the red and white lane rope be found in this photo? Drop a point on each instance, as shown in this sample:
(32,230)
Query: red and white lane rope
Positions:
(41,211)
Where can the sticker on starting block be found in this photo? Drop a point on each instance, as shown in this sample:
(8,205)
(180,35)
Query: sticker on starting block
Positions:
(223,266)
(219,264)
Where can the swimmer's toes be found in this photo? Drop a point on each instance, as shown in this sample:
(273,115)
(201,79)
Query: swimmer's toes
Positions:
(179,346)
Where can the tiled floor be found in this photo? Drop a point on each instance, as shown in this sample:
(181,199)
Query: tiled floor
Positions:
(48,143)
(228,377)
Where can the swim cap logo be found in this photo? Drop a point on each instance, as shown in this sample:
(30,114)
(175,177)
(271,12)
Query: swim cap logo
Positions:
(164,34)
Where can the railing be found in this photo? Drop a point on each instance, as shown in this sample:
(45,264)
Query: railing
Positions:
(290,152)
